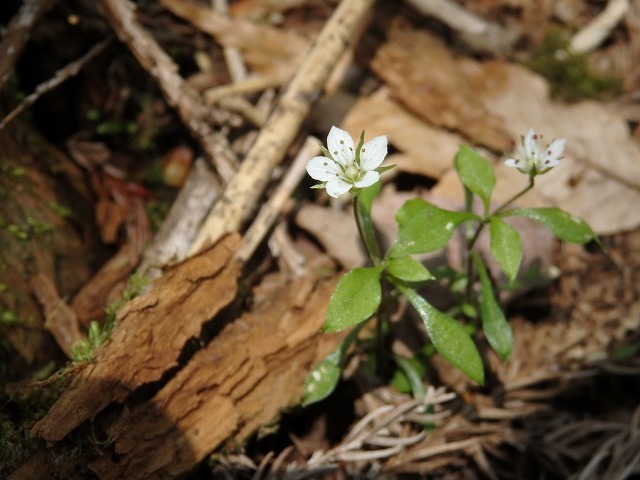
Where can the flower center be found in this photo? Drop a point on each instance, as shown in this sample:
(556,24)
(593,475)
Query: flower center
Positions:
(352,173)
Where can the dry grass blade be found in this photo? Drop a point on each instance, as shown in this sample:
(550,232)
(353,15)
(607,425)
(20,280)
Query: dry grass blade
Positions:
(374,430)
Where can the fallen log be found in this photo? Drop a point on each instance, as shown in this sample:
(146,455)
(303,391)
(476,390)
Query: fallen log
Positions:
(252,368)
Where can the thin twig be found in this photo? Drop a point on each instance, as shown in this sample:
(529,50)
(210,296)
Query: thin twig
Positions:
(189,105)
(58,78)
(232,55)
(476,32)
(270,210)
(600,28)
(244,190)
(17,34)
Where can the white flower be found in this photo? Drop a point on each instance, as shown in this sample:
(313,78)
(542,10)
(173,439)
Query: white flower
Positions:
(344,166)
(536,161)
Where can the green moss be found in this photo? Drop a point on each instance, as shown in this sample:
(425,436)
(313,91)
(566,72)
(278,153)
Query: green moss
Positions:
(17,232)
(568,73)
(98,333)
(63,211)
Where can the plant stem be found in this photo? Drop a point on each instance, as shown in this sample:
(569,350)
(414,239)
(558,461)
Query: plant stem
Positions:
(471,241)
(516,196)
(366,231)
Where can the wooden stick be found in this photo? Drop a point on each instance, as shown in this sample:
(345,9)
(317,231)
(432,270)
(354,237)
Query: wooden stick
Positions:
(58,78)
(244,190)
(17,34)
(189,105)
(595,32)
(270,211)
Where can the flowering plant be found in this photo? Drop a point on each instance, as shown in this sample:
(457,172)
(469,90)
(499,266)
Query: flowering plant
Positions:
(345,167)
(424,227)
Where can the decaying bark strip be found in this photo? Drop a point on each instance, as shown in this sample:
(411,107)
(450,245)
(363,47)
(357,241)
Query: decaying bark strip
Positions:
(253,368)
(150,334)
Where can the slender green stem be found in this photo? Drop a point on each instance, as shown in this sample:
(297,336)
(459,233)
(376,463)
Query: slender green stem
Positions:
(366,231)
(471,240)
(516,196)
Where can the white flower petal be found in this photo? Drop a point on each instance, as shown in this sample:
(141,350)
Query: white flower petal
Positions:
(530,144)
(336,187)
(323,169)
(512,162)
(373,152)
(341,146)
(368,179)
(555,149)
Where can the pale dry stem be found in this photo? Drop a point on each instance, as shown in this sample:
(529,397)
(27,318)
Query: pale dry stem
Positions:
(245,188)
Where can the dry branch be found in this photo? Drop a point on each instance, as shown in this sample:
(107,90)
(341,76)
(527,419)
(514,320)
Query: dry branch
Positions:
(121,15)
(172,241)
(270,211)
(595,33)
(17,34)
(244,190)
(477,33)
(59,77)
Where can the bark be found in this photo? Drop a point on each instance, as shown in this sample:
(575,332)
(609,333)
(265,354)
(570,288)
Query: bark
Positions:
(36,239)
(253,368)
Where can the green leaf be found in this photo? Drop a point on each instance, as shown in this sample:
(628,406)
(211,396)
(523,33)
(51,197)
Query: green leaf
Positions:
(324,378)
(448,337)
(355,299)
(411,371)
(506,246)
(408,269)
(423,227)
(386,168)
(475,173)
(495,326)
(367,195)
(362,205)
(563,225)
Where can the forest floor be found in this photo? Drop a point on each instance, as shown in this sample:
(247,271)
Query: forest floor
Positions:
(165,267)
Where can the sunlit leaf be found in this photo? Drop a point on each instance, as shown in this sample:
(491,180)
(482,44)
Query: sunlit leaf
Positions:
(495,326)
(562,224)
(475,173)
(423,227)
(408,269)
(355,299)
(448,336)
(506,246)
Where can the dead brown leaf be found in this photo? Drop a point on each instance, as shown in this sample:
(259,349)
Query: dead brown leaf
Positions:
(422,73)
(266,50)
(336,231)
(600,176)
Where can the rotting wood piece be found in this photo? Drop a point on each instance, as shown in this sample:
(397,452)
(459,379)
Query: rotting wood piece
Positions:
(252,369)
(150,334)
